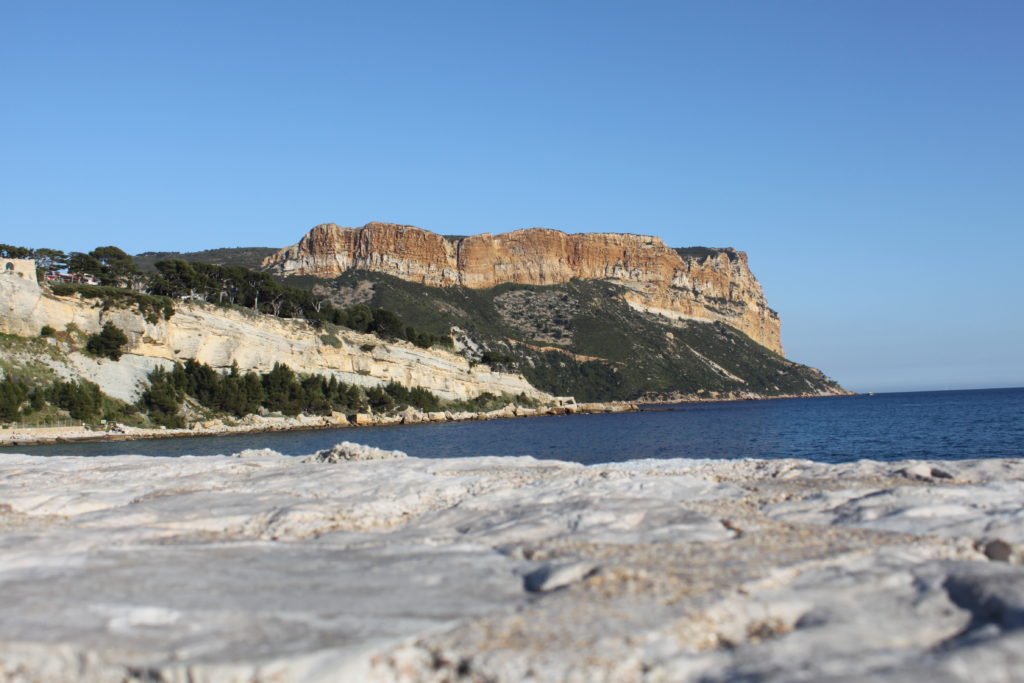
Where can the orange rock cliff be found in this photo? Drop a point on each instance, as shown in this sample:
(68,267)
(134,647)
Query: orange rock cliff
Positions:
(699,284)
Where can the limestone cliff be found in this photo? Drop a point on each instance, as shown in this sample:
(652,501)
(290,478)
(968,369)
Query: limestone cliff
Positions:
(704,284)
(219,337)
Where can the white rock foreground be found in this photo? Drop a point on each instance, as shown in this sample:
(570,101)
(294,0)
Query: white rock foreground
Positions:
(272,568)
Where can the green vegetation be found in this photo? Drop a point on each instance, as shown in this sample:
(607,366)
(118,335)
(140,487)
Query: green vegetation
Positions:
(47,331)
(232,393)
(110,265)
(246,257)
(234,285)
(150,307)
(12,395)
(31,392)
(46,259)
(607,350)
(393,396)
(330,340)
(27,359)
(108,343)
(702,253)
(225,280)
(487,402)
(281,390)
(81,400)
(579,338)
(11,251)
(498,361)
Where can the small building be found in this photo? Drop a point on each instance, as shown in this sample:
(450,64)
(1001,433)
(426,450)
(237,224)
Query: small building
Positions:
(22,267)
(71,278)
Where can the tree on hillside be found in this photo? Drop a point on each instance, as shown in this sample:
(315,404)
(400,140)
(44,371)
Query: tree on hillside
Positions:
(281,390)
(387,324)
(108,343)
(178,278)
(116,267)
(11,251)
(162,398)
(360,317)
(50,259)
(82,399)
(110,264)
(12,395)
(84,264)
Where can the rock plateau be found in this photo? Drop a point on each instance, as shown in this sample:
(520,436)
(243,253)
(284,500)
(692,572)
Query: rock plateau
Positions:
(698,284)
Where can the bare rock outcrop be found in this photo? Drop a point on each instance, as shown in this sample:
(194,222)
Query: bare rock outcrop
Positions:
(221,336)
(701,284)
(347,451)
(269,568)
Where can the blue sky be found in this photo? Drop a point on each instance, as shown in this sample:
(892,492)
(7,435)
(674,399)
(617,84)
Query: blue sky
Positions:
(868,155)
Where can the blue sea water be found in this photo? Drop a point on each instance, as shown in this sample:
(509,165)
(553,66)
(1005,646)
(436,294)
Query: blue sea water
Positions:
(892,426)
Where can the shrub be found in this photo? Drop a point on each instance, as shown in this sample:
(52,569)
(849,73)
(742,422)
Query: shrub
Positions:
(150,307)
(82,399)
(380,400)
(387,324)
(498,361)
(108,343)
(162,399)
(330,340)
(12,395)
(416,397)
(281,389)
(47,331)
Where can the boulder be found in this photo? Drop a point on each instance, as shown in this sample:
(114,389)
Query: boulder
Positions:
(347,451)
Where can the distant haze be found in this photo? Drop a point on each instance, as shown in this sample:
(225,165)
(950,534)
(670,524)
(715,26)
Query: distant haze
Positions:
(865,154)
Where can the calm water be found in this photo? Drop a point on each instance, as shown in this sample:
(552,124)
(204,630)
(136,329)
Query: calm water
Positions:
(937,424)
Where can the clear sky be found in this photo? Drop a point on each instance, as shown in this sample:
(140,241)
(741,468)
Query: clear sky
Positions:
(868,155)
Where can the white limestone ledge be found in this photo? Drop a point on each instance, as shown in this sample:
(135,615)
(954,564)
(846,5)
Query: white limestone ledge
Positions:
(273,568)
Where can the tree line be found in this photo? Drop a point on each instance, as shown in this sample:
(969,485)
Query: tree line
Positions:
(279,390)
(81,399)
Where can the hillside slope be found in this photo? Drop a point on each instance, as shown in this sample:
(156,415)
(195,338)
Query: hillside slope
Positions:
(220,337)
(583,338)
(247,257)
(711,285)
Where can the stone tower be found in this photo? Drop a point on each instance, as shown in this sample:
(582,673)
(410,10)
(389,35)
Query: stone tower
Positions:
(21,267)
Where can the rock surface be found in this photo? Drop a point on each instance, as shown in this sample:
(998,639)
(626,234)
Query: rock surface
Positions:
(268,568)
(222,336)
(346,451)
(702,284)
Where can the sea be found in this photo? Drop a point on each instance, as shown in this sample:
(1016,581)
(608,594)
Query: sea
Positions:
(986,423)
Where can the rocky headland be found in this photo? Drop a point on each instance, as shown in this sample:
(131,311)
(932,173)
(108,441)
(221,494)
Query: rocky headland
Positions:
(262,567)
(712,285)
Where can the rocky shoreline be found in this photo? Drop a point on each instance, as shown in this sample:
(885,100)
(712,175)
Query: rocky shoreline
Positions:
(725,396)
(27,436)
(263,567)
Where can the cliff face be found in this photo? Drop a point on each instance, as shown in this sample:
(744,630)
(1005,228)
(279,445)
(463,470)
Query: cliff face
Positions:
(220,337)
(708,285)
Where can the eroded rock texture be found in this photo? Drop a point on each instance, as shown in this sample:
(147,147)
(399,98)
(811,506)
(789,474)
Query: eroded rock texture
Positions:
(268,568)
(702,284)
(221,337)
